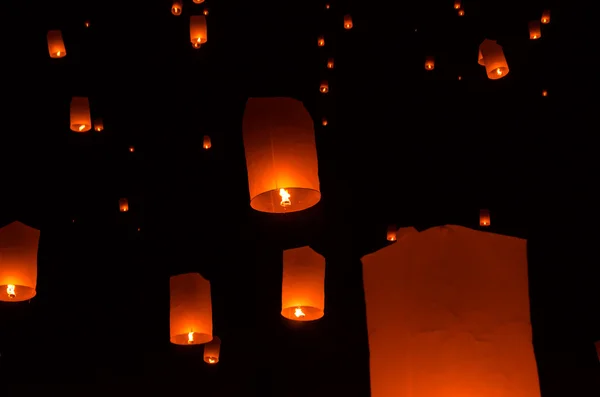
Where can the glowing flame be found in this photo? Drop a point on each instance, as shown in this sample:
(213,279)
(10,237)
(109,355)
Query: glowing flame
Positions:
(211,360)
(191,337)
(299,313)
(57,53)
(498,71)
(10,291)
(81,127)
(285,198)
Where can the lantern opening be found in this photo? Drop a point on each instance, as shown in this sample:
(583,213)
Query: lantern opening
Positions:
(303,198)
(10,291)
(211,360)
(302,313)
(17,293)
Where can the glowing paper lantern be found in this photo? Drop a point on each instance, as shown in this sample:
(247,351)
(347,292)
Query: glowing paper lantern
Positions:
(324,87)
(330,63)
(545,16)
(206,143)
(457,4)
(18,262)
(347,22)
(392,233)
(321,41)
(492,57)
(429,63)
(484,218)
(212,350)
(198,30)
(98,125)
(123,205)
(56,45)
(198,1)
(176,7)
(303,288)
(448,315)
(81,120)
(191,310)
(535,30)
(281,156)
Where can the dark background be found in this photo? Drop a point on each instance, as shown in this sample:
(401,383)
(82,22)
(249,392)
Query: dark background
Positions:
(403,146)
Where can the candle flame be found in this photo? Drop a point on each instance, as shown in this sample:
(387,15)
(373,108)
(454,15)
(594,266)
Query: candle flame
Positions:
(299,313)
(285,198)
(81,127)
(191,337)
(498,71)
(10,291)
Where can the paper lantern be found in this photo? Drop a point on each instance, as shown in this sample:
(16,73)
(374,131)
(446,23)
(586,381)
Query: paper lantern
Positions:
(392,231)
(206,143)
(98,125)
(457,4)
(198,1)
(544,93)
(461,12)
(545,16)
(535,30)
(448,315)
(191,310)
(212,350)
(492,57)
(429,63)
(324,121)
(205,11)
(324,87)
(123,205)
(18,262)
(281,155)
(176,7)
(347,22)
(198,30)
(87,24)
(484,218)
(81,120)
(56,45)
(303,288)
(327,6)
(330,63)
(321,41)
(131,149)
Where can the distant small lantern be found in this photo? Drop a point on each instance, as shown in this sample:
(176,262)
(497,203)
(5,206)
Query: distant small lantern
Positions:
(18,262)
(123,205)
(205,12)
(212,350)
(324,121)
(303,287)
(544,93)
(461,12)
(429,63)
(330,63)
(98,125)
(327,6)
(535,30)
(198,30)
(457,4)
(206,143)
(348,22)
(131,149)
(176,7)
(198,1)
(545,16)
(392,232)
(321,41)
(484,218)
(81,120)
(459,78)
(324,87)
(87,24)
(56,45)
(191,310)
(492,57)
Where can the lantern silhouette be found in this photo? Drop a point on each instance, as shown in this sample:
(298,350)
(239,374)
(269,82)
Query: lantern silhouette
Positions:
(281,156)
(198,30)
(206,144)
(18,262)
(535,30)
(123,205)
(324,87)
(56,45)
(98,125)
(347,22)
(545,16)
(212,350)
(191,310)
(392,232)
(303,288)
(176,7)
(429,63)
(457,4)
(321,41)
(81,120)
(492,58)
(330,63)
(484,218)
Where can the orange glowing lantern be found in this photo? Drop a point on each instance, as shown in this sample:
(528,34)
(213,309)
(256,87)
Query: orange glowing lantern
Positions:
(457,4)
(324,87)
(545,16)
(205,11)
(461,12)
(484,218)
(429,63)
(206,143)
(347,22)
(123,205)
(212,350)
(535,30)
(18,262)
(303,288)
(321,41)
(98,125)
(56,45)
(392,233)
(281,155)
(492,57)
(131,149)
(330,63)
(81,120)
(198,1)
(544,93)
(327,6)
(191,310)
(176,7)
(324,121)
(87,24)
(198,30)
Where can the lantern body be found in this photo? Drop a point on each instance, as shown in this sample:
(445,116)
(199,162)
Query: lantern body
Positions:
(535,30)
(347,22)
(81,120)
(324,87)
(281,155)
(429,63)
(321,41)
(191,310)
(206,143)
(123,205)
(392,233)
(18,262)
(56,45)
(545,16)
(330,63)
(484,218)
(98,125)
(176,7)
(324,121)
(198,30)
(461,12)
(457,4)
(303,288)
(448,315)
(212,350)
(492,57)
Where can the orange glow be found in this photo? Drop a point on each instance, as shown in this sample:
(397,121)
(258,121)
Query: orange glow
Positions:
(448,316)
(303,288)
(324,121)
(131,149)
(212,350)
(198,30)
(206,143)
(123,205)
(545,16)
(460,77)
(87,24)
(330,63)
(81,120)
(544,93)
(457,4)
(56,45)
(492,58)
(324,87)
(191,310)
(198,1)
(347,22)
(18,262)
(461,12)
(429,63)
(327,6)
(535,30)
(98,125)
(176,7)
(484,218)
(392,233)
(321,41)
(205,12)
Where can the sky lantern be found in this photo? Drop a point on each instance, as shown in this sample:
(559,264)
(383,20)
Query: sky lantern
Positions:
(123,205)
(324,87)
(461,12)
(281,155)
(324,121)
(392,231)
(492,57)
(484,218)
(330,63)
(198,1)
(198,30)
(535,30)
(56,45)
(212,350)
(18,262)
(429,63)
(206,143)
(545,16)
(205,11)
(321,41)
(98,125)
(348,22)
(457,4)
(191,310)
(176,7)
(303,288)
(81,120)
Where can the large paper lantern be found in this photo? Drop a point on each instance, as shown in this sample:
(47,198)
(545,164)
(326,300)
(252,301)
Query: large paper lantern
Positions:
(303,288)
(212,350)
(18,262)
(81,120)
(492,57)
(191,310)
(281,156)
(56,45)
(448,315)
(198,30)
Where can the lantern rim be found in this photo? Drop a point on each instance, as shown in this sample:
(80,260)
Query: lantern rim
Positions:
(302,199)
(23,293)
